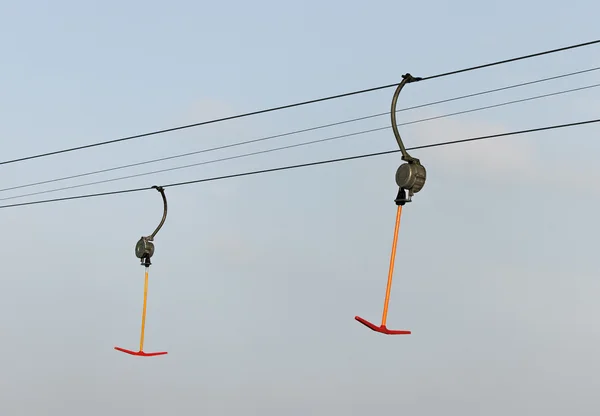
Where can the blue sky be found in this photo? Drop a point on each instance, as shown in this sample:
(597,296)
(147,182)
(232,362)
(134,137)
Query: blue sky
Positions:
(255,281)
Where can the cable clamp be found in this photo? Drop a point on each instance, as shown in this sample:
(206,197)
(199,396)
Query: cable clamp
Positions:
(409,78)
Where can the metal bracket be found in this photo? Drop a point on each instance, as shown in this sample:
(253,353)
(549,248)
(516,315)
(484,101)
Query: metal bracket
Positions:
(144,248)
(410,176)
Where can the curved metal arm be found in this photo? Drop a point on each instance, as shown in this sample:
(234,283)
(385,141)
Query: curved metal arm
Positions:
(164,217)
(405,79)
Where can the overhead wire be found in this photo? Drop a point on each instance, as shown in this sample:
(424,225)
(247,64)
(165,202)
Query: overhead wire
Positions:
(342,136)
(303,165)
(505,61)
(297,104)
(331,138)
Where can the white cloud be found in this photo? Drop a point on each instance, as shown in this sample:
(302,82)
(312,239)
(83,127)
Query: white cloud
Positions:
(235,247)
(209,108)
(512,159)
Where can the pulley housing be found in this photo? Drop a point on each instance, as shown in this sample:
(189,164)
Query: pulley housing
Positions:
(411,176)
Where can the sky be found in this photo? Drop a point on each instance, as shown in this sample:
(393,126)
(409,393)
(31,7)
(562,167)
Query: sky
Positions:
(256,280)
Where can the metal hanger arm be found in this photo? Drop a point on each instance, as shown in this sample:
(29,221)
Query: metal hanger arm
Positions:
(405,80)
(164,217)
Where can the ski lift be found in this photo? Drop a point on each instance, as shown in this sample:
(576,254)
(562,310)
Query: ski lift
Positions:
(144,250)
(410,177)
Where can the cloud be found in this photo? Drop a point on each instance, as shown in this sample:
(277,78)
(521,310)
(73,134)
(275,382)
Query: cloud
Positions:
(511,159)
(208,108)
(493,158)
(235,247)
